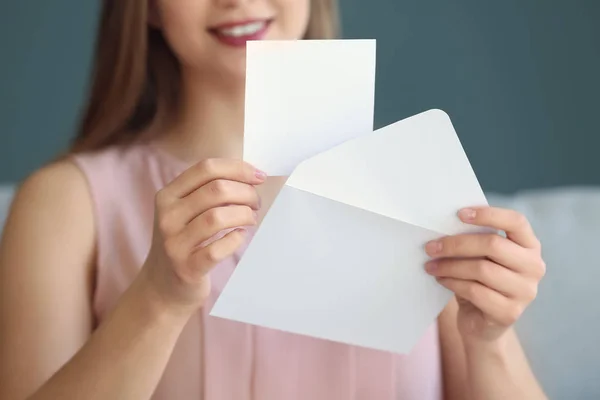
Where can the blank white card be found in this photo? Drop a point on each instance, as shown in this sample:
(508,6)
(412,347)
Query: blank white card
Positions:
(305,96)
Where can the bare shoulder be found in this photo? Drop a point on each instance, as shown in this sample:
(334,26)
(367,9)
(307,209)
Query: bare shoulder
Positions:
(52,186)
(46,277)
(54,199)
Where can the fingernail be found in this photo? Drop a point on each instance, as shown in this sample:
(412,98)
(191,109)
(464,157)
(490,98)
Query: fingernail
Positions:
(467,214)
(433,247)
(260,174)
(431,266)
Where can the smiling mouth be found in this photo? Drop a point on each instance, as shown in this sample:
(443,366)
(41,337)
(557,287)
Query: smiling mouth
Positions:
(250,28)
(238,33)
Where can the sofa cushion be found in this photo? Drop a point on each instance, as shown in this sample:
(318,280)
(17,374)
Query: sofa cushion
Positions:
(6,193)
(560,330)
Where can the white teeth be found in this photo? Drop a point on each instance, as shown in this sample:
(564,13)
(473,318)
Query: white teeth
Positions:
(243,30)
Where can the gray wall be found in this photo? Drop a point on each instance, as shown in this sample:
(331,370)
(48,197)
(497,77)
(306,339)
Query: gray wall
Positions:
(45,51)
(520,79)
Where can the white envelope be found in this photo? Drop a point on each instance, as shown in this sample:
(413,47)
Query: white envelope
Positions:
(339,256)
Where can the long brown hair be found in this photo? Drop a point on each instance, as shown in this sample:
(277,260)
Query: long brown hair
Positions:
(136,75)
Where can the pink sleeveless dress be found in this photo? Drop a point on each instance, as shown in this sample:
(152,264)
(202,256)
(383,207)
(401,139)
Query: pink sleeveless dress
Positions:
(216,359)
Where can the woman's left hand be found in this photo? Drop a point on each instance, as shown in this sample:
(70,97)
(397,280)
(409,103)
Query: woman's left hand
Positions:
(494,278)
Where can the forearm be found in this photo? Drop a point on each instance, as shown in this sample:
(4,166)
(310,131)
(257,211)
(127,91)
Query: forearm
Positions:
(500,370)
(125,357)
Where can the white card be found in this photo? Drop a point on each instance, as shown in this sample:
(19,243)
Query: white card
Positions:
(340,256)
(304,97)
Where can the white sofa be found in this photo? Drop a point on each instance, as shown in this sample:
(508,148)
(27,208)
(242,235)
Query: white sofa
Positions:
(6,193)
(561,330)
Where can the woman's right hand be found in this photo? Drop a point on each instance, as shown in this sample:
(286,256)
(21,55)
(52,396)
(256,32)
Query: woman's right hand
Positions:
(211,196)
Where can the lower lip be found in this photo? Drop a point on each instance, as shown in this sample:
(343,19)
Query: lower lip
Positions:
(240,41)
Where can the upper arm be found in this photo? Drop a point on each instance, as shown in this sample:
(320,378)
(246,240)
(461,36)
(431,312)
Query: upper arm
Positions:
(46,278)
(454,363)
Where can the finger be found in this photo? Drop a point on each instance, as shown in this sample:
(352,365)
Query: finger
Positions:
(213,221)
(486,272)
(206,258)
(497,248)
(217,193)
(493,304)
(208,170)
(517,227)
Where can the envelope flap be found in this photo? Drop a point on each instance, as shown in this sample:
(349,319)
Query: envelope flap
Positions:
(414,170)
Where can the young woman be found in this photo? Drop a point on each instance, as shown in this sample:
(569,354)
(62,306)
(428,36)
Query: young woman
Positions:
(113,256)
